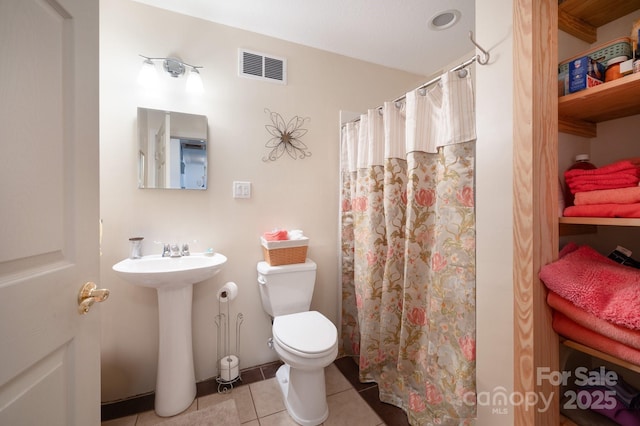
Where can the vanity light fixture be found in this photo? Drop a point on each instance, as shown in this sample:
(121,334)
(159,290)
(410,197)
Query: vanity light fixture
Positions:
(194,82)
(148,75)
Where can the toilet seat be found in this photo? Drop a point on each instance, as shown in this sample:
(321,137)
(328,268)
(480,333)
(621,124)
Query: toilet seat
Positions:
(306,334)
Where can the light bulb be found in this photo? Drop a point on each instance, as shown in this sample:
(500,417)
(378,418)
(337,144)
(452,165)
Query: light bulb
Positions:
(194,82)
(148,76)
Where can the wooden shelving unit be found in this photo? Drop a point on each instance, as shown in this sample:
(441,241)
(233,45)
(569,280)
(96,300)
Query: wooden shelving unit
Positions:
(605,221)
(579,113)
(598,354)
(582,18)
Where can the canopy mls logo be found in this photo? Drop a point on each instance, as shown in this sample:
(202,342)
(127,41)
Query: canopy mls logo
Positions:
(499,399)
(594,394)
(593,387)
(584,377)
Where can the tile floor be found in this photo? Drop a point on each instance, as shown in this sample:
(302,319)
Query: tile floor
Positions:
(259,401)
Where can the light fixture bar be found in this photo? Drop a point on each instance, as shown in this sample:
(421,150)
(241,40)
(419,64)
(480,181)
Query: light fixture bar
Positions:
(175,67)
(173,59)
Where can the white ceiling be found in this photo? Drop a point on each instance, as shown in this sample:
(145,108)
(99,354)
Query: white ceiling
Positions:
(394,33)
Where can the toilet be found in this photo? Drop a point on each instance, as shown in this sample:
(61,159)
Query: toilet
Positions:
(306,341)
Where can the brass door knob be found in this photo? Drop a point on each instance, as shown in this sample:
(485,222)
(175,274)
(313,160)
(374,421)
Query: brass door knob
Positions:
(89,294)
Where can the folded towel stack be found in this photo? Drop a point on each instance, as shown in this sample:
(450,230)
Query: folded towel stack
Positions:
(596,284)
(621,174)
(609,191)
(595,302)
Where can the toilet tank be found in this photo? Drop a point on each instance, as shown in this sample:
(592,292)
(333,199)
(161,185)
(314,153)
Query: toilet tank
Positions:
(286,289)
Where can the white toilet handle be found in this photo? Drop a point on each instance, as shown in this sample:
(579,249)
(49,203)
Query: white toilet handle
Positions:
(261,280)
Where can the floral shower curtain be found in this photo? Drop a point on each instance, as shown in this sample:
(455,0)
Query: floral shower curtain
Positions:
(408,251)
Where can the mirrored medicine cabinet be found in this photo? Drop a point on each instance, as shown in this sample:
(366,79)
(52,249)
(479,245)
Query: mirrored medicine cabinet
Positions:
(172,150)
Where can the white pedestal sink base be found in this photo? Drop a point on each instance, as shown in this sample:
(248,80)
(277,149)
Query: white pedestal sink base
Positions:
(176,382)
(173,278)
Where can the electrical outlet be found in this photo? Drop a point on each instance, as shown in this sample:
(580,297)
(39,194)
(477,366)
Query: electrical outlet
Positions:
(241,189)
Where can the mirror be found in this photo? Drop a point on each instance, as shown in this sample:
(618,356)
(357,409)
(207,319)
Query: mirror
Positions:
(172,150)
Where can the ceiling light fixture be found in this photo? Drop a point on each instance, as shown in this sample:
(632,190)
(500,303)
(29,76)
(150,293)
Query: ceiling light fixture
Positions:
(148,75)
(444,20)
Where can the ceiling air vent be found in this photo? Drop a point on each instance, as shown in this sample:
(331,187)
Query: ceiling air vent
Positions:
(262,67)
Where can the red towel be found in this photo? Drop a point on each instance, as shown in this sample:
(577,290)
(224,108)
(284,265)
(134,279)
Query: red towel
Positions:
(603,210)
(619,167)
(596,284)
(609,196)
(618,333)
(621,174)
(571,330)
(613,182)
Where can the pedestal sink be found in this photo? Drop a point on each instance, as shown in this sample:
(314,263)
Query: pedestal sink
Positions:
(173,278)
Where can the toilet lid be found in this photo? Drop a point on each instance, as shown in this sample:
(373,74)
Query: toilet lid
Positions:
(308,332)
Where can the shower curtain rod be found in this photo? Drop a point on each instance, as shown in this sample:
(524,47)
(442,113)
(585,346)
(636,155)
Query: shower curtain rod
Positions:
(459,67)
(476,58)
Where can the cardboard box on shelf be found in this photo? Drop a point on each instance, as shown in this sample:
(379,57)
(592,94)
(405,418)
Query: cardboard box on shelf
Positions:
(585,72)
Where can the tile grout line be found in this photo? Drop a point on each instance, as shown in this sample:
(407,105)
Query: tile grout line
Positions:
(263,375)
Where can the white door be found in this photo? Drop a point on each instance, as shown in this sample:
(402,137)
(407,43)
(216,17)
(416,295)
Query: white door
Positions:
(49,227)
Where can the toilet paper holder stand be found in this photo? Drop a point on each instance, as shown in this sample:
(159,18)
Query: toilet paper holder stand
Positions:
(228,364)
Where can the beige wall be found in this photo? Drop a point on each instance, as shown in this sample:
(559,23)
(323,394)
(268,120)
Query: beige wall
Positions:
(494,204)
(290,194)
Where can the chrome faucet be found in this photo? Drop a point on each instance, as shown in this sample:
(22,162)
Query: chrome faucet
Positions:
(174,250)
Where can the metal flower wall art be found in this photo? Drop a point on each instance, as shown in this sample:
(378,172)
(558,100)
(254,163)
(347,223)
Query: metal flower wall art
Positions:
(286,137)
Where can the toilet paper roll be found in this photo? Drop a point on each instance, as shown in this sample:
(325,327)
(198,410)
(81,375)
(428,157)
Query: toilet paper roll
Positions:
(229,368)
(228,292)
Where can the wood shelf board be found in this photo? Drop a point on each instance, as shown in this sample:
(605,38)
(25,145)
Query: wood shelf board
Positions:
(607,101)
(606,221)
(577,27)
(598,354)
(582,128)
(565,230)
(567,422)
(598,13)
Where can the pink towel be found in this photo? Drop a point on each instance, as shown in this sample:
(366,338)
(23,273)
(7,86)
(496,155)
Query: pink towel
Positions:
(609,196)
(598,285)
(620,334)
(604,210)
(277,235)
(571,330)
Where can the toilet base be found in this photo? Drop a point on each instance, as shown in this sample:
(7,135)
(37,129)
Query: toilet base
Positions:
(304,394)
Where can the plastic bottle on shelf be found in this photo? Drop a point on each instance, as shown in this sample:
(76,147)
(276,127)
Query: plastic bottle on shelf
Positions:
(582,162)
